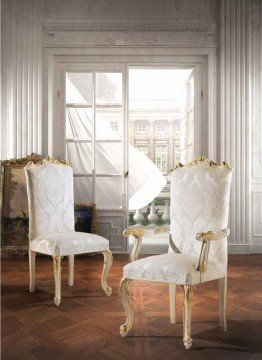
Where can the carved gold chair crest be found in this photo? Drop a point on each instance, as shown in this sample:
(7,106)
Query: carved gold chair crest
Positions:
(51,222)
(198,240)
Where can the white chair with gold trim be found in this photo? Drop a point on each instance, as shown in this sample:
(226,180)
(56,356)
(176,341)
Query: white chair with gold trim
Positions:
(198,249)
(51,222)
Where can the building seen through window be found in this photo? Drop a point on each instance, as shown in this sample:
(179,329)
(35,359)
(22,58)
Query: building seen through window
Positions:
(114,125)
(160,112)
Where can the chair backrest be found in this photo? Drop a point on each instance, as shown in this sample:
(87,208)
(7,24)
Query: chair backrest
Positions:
(50,197)
(199,202)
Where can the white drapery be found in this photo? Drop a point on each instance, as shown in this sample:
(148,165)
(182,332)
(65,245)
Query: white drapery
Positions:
(144,178)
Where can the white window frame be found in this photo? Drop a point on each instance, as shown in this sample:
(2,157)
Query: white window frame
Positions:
(144,126)
(163,124)
(143,148)
(57,59)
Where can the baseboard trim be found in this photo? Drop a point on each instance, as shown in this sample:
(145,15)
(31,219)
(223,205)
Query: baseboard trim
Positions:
(238,248)
(256,248)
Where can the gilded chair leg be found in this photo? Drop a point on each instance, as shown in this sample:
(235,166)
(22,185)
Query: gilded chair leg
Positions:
(222,302)
(136,248)
(108,260)
(188,299)
(124,294)
(172,301)
(71,260)
(57,275)
(31,254)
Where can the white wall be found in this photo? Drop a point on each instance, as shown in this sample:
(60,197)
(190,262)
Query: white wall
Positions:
(233,26)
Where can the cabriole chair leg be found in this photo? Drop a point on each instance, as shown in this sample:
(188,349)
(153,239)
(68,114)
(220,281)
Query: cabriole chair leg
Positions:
(71,260)
(188,300)
(31,254)
(124,294)
(222,302)
(172,301)
(57,276)
(108,260)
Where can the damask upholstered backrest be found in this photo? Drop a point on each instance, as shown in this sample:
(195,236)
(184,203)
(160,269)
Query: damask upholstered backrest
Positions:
(200,202)
(50,197)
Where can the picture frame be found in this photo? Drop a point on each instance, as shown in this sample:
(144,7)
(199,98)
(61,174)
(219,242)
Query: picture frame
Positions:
(14,208)
(86,219)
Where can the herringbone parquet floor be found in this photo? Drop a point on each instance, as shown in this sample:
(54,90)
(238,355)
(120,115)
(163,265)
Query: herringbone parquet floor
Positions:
(86,324)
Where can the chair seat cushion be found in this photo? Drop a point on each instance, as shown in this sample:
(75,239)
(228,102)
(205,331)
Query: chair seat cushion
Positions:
(173,268)
(68,243)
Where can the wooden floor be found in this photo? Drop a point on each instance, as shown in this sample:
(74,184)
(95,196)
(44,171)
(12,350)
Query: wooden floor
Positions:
(86,324)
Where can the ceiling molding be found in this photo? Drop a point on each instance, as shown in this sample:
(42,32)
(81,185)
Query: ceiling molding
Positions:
(119,27)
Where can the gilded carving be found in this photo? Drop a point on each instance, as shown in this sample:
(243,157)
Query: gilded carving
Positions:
(124,295)
(33,158)
(188,290)
(108,260)
(46,160)
(136,232)
(206,237)
(202,160)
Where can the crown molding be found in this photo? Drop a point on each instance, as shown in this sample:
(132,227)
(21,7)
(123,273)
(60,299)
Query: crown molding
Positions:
(122,26)
(109,33)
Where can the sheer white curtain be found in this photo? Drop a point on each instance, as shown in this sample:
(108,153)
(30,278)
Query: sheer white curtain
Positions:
(145,180)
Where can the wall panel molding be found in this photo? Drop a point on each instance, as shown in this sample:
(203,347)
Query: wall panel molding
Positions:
(240,107)
(21,77)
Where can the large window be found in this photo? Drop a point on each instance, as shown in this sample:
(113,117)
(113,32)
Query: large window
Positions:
(141,127)
(161,127)
(143,149)
(114,126)
(161,157)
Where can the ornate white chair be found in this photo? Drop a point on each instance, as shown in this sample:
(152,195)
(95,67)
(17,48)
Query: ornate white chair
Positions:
(198,247)
(51,222)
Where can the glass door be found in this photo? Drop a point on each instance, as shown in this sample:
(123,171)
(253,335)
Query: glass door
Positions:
(165,127)
(95,146)
(124,127)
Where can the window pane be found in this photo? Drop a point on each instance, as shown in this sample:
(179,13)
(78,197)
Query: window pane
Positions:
(79,123)
(79,88)
(108,88)
(109,158)
(83,190)
(80,156)
(114,126)
(109,192)
(141,127)
(161,127)
(159,101)
(109,123)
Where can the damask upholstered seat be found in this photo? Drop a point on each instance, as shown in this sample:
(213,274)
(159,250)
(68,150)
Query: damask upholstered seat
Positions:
(198,247)
(70,243)
(173,268)
(51,222)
